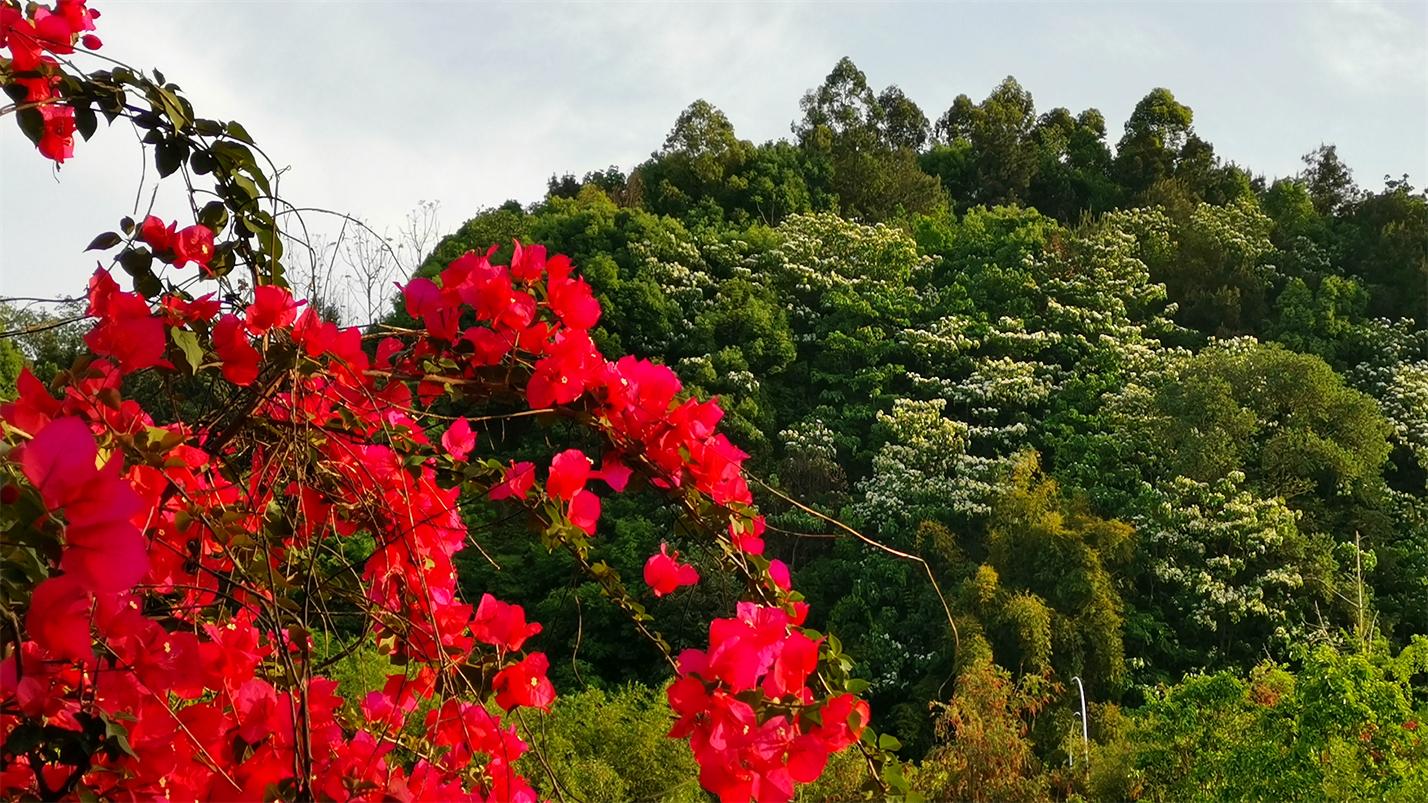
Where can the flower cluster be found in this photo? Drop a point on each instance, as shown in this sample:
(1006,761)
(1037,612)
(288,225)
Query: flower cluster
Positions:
(32,39)
(192,244)
(150,517)
(760,656)
(173,517)
(173,577)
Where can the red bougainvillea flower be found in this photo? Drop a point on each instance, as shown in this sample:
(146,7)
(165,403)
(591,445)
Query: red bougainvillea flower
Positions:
(182,312)
(194,244)
(459,440)
(127,330)
(33,406)
(502,624)
(240,359)
(797,658)
(572,366)
(491,346)
(568,472)
(103,548)
(574,303)
(664,573)
(778,572)
(517,482)
(843,720)
(272,306)
(748,535)
(528,261)
(525,684)
(742,649)
(156,235)
(57,142)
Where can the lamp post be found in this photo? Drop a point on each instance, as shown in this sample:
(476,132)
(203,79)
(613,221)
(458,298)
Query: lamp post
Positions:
(1085,729)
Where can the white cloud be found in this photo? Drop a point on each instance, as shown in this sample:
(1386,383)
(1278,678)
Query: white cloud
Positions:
(1371,46)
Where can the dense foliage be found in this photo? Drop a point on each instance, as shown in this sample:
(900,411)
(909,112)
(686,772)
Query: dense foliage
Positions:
(1139,421)
(1142,412)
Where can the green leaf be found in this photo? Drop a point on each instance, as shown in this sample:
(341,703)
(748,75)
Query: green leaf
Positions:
(889,742)
(234,156)
(173,108)
(136,261)
(24,738)
(32,124)
(85,121)
(188,343)
(169,156)
(214,215)
(119,737)
(105,241)
(201,162)
(146,120)
(856,685)
(244,190)
(148,284)
(893,777)
(222,262)
(238,132)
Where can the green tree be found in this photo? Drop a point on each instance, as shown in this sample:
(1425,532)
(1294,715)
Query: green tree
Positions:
(984,752)
(904,124)
(1330,182)
(1154,134)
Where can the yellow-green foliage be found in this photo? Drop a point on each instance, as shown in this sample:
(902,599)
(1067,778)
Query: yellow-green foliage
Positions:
(1059,605)
(983,751)
(1343,727)
(609,747)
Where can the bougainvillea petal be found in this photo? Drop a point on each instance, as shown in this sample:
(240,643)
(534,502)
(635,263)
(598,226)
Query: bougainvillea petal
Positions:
(240,359)
(516,484)
(584,511)
(59,461)
(459,440)
(59,618)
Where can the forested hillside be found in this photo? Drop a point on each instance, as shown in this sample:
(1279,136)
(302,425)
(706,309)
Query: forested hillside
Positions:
(1033,408)
(1153,421)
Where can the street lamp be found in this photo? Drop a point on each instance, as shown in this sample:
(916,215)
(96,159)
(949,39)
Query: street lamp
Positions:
(1085,730)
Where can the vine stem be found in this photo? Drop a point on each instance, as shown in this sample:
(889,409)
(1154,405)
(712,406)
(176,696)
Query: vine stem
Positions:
(951,623)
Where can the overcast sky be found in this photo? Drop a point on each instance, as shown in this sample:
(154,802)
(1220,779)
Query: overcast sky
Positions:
(377,106)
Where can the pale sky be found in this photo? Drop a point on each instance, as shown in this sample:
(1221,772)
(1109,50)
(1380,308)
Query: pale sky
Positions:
(377,106)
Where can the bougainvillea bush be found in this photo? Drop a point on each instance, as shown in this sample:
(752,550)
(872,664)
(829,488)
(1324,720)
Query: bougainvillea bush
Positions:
(169,575)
